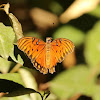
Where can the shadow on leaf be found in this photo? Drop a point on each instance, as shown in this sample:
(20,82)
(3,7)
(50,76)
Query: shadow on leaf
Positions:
(14,89)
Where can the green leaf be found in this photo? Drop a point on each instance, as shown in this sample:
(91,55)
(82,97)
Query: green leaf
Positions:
(16,26)
(92,45)
(96,94)
(69,32)
(15,77)
(20,91)
(29,81)
(4,65)
(96,12)
(56,7)
(14,89)
(74,81)
(28,78)
(6,40)
(18,60)
(7,37)
(23,97)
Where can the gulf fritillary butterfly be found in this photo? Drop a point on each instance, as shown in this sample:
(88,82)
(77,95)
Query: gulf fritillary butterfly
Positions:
(43,55)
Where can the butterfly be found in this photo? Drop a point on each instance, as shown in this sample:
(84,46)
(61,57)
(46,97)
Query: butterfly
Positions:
(45,55)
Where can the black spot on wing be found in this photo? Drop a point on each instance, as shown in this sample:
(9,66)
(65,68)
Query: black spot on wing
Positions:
(57,44)
(37,43)
(60,40)
(55,41)
(38,40)
(33,39)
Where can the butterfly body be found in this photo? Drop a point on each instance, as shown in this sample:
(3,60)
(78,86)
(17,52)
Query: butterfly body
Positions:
(48,49)
(43,55)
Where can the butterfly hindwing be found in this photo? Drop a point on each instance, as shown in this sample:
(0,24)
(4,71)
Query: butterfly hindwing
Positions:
(53,62)
(40,62)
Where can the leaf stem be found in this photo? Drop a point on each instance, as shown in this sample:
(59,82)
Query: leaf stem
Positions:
(40,95)
(17,66)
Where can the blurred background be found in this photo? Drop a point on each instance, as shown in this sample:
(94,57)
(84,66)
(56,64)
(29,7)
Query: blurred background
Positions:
(78,76)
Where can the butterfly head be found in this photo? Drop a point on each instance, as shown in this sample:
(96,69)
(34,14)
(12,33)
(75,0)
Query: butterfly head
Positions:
(48,40)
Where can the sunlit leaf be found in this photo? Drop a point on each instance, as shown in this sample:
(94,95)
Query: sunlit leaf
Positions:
(4,65)
(52,97)
(69,32)
(16,26)
(78,8)
(6,40)
(23,97)
(92,45)
(96,12)
(29,81)
(15,77)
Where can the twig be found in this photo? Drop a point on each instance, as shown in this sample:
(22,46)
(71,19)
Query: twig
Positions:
(17,66)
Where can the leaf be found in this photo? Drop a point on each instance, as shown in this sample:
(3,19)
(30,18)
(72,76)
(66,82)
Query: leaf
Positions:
(74,81)
(16,26)
(96,12)
(13,89)
(4,65)
(29,81)
(23,97)
(69,32)
(77,9)
(18,60)
(13,84)
(92,46)
(6,40)
(56,7)
(21,91)
(15,77)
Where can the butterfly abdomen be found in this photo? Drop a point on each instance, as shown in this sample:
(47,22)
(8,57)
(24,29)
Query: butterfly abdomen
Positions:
(48,50)
(48,58)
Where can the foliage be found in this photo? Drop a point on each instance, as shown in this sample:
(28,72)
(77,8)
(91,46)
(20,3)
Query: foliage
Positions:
(92,45)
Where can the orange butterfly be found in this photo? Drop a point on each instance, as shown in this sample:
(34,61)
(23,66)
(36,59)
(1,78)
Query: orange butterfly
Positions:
(43,55)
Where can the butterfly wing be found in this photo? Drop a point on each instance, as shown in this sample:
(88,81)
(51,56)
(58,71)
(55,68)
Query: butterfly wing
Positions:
(40,62)
(60,48)
(35,49)
(53,62)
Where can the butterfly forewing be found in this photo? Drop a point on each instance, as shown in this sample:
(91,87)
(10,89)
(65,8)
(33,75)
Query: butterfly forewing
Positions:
(34,48)
(62,47)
